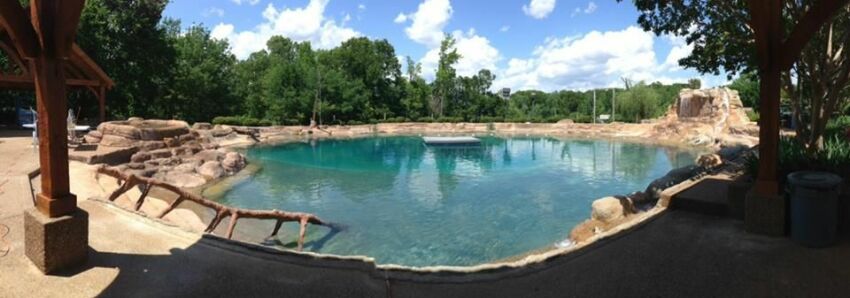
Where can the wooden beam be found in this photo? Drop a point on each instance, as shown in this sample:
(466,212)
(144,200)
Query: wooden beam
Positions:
(79,55)
(819,13)
(13,18)
(55,23)
(28,82)
(8,46)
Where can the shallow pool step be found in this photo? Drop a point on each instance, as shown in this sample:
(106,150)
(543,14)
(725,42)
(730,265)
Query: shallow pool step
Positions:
(706,197)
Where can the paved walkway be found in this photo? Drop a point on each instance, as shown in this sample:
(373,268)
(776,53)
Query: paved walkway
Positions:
(18,160)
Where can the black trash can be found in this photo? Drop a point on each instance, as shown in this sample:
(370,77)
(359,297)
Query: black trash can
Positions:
(814,202)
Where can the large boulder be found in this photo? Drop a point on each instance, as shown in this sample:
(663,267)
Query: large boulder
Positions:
(233,162)
(202,126)
(112,140)
(608,210)
(151,145)
(185,168)
(211,170)
(709,160)
(209,155)
(140,157)
(161,153)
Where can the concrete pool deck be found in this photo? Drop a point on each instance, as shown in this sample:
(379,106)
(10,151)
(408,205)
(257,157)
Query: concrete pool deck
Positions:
(677,254)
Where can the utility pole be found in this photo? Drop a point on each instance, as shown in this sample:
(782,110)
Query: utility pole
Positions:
(613,104)
(594,106)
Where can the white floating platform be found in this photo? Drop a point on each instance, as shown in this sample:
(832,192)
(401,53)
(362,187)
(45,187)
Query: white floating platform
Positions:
(451,140)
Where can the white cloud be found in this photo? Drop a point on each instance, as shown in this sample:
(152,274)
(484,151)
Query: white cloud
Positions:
(428,22)
(361,6)
(476,53)
(505,28)
(539,9)
(300,24)
(251,2)
(680,49)
(401,18)
(589,9)
(213,11)
(587,61)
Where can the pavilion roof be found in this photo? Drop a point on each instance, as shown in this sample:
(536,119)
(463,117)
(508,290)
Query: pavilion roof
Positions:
(81,70)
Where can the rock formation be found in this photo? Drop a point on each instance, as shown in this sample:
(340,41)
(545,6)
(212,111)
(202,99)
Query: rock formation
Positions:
(170,151)
(707,117)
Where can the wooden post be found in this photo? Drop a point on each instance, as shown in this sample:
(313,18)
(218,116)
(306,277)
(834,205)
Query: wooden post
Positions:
(767,25)
(55,198)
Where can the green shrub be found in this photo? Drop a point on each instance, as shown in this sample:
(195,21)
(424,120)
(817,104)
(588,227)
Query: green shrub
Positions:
(837,127)
(753,115)
(241,121)
(354,122)
(396,120)
(226,120)
(581,118)
(425,119)
(834,157)
(446,119)
(488,119)
(291,121)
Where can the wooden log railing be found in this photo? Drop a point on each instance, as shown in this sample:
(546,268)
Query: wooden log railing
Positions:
(128,181)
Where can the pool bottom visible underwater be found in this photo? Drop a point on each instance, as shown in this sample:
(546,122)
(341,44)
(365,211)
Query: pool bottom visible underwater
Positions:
(402,202)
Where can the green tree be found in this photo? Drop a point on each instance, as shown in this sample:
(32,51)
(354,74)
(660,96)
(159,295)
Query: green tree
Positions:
(747,85)
(444,83)
(202,86)
(638,103)
(129,41)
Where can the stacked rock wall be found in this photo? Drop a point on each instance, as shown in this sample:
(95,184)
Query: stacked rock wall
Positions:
(170,151)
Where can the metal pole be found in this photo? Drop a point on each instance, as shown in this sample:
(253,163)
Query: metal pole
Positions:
(613,105)
(594,106)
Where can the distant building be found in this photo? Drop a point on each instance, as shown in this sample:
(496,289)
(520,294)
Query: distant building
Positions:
(505,93)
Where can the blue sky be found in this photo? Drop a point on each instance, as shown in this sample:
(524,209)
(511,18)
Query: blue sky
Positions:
(528,44)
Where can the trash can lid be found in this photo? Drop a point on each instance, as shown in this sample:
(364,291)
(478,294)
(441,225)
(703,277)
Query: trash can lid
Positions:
(813,179)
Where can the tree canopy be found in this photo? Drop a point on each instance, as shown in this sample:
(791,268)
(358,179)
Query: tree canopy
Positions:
(163,69)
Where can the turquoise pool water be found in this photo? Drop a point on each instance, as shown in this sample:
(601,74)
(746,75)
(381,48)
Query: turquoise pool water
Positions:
(404,203)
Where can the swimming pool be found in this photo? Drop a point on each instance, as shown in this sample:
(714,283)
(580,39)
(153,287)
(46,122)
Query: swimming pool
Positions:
(402,202)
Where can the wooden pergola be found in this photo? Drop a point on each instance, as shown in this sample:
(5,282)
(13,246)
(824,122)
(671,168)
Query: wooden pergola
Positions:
(43,40)
(80,72)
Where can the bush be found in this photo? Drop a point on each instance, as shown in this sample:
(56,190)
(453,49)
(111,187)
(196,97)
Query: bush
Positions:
(425,119)
(446,119)
(581,118)
(396,120)
(354,122)
(241,121)
(753,115)
(291,121)
(488,119)
(834,157)
(837,127)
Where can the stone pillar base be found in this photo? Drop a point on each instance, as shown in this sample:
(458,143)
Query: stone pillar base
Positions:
(56,243)
(765,214)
